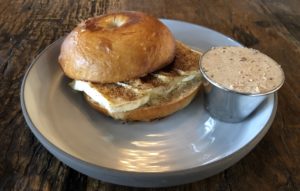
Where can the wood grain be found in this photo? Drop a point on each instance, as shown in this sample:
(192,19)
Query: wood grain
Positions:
(28,26)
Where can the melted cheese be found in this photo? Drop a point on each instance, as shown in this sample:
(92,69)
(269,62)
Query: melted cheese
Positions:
(144,92)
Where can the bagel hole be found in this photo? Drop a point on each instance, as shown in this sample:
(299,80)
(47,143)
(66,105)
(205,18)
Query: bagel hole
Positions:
(116,22)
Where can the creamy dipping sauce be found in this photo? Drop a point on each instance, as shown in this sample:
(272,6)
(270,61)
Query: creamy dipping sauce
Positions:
(243,70)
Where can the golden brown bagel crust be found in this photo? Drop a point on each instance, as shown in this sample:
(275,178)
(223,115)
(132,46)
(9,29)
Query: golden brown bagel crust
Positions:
(148,113)
(116,47)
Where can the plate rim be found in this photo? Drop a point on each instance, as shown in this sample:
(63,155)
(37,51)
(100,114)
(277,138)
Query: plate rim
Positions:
(201,26)
(48,144)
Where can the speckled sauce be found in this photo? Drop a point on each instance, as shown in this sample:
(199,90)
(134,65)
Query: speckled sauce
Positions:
(243,70)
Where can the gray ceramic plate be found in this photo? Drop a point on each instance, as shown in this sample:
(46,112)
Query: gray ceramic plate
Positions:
(187,146)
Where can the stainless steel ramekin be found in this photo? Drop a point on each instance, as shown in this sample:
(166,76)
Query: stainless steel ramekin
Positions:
(228,105)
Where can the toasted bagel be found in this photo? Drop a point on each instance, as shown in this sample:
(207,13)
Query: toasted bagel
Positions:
(129,66)
(116,47)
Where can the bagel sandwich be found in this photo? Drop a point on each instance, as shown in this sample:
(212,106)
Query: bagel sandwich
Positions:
(129,66)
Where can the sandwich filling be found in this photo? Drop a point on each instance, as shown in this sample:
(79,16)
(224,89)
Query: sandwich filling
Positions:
(155,88)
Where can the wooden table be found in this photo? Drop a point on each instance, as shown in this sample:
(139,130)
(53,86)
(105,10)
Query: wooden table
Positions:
(28,26)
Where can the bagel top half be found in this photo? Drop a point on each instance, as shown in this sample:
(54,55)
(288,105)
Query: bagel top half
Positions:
(116,47)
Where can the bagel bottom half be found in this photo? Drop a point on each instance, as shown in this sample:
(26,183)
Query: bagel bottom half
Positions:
(176,102)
